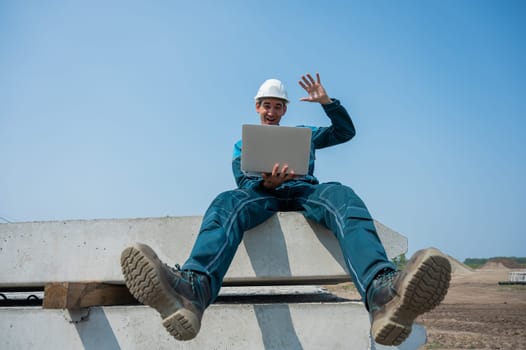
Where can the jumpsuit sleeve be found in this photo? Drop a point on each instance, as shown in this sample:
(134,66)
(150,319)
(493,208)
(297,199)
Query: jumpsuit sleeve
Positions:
(242,180)
(341,130)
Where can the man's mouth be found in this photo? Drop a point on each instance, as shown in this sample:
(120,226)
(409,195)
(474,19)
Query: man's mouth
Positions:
(270,120)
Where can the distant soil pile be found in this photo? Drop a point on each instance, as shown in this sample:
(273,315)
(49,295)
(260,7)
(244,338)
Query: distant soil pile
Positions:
(500,264)
(458,268)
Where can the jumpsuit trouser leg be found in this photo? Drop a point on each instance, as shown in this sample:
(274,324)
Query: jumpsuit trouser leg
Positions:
(224,223)
(339,209)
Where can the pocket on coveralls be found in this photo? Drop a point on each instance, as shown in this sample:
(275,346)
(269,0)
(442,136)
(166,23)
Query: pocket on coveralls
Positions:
(358,213)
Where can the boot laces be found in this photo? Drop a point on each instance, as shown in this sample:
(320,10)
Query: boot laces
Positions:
(386,279)
(192,278)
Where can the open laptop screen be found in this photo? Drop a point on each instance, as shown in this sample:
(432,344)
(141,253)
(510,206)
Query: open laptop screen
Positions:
(265,145)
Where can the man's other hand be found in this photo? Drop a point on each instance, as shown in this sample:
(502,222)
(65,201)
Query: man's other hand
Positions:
(277,176)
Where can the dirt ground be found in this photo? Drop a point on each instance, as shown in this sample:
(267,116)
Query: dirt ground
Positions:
(477,312)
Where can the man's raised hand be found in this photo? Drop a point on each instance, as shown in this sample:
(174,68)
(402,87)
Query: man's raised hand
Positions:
(314,88)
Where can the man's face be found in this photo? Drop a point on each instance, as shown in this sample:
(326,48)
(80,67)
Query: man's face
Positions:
(271,110)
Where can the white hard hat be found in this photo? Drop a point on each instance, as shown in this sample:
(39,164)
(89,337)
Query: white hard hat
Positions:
(272,88)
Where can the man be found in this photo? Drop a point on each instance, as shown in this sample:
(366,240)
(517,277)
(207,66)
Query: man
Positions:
(394,299)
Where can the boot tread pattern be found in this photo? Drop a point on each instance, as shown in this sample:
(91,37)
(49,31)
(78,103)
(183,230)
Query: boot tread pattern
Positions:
(180,327)
(140,277)
(425,290)
(141,269)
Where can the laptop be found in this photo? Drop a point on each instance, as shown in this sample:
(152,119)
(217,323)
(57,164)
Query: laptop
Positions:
(265,145)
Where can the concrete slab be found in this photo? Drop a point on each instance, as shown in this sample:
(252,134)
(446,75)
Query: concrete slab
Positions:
(35,253)
(259,326)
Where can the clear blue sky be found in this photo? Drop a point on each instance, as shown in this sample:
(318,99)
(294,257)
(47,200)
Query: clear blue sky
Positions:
(119,109)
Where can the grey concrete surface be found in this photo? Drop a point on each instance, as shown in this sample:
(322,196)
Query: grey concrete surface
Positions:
(282,248)
(233,327)
(285,248)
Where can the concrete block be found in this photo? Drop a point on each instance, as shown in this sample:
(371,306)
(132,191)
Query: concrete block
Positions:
(245,326)
(281,249)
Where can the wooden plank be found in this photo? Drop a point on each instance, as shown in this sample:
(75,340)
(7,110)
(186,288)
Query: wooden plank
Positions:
(74,295)
(77,295)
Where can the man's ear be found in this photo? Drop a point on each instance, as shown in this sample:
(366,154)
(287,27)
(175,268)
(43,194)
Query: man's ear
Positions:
(284,109)
(258,104)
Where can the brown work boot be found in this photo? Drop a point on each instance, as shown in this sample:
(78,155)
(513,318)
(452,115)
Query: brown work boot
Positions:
(180,296)
(396,298)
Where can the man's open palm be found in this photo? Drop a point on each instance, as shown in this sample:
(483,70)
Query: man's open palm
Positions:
(314,88)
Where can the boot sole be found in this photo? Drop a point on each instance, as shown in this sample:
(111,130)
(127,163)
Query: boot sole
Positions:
(422,291)
(143,276)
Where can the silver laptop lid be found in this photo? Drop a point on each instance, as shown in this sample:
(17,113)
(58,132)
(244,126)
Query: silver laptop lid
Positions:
(265,145)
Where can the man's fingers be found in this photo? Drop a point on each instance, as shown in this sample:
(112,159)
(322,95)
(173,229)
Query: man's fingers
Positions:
(307,81)
(277,177)
(312,81)
(275,169)
(283,172)
(290,175)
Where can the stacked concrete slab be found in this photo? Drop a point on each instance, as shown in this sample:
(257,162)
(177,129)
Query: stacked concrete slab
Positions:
(287,249)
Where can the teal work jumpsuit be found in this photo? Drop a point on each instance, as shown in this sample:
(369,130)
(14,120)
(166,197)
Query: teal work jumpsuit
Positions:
(331,204)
